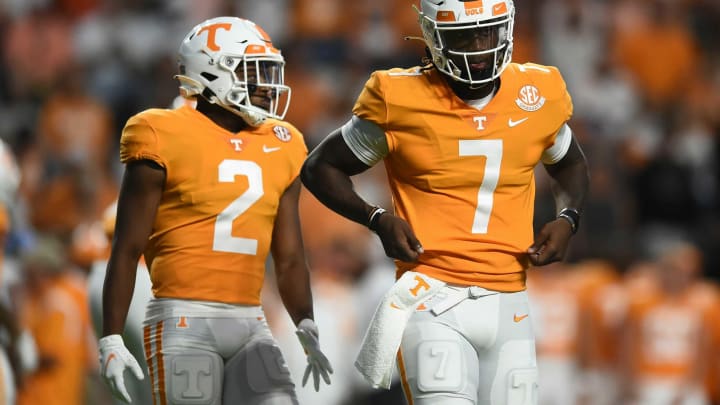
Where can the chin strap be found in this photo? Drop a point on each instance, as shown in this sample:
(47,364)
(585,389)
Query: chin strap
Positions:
(413,38)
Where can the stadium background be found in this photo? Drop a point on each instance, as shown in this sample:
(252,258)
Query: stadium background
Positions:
(645,79)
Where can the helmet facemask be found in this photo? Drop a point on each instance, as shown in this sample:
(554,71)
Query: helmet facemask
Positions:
(257,88)
(473,52)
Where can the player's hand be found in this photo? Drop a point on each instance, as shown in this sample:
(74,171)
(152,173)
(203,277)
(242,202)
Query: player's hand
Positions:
(550,243)
(398,239)
(318,364)
(114,359)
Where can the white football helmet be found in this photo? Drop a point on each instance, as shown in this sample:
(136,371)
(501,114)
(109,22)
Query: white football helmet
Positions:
(470,41)
(228,61)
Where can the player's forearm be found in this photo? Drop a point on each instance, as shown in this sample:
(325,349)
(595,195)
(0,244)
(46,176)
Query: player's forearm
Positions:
(117,294)
(294,288)
(335,189)
(570,187)
(570,180)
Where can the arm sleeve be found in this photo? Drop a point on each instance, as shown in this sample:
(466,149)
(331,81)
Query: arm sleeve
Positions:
(365,139)
(558,150)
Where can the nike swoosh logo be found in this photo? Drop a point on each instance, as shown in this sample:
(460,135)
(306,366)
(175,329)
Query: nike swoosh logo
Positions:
(517,318)
(512,123)
(110,357)
(392,305)
(267,149)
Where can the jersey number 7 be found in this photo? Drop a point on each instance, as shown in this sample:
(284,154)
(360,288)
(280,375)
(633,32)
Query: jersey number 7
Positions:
(492,149)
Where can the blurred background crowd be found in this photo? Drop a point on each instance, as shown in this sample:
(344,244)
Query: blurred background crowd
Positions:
(635,311)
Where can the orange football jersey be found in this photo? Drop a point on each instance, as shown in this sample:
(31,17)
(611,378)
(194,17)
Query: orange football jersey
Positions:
(461,177)
(603,303)
(668,332)
(212,232)
(4,219)
(555,306)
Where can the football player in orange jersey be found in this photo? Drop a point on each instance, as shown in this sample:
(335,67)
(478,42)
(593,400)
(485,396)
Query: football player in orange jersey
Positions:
(460,138)
(206,195)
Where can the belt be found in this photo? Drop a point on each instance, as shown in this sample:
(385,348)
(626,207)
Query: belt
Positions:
(450,296)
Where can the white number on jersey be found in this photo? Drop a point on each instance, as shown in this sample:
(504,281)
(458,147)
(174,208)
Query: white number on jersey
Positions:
(223,241)
(492,149)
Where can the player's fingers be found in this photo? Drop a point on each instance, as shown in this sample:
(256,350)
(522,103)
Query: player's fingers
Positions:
(306,375)
(327,366)
(407,255)
(409,248)
(136,369)
(414,243)
(120,389)
(537,256)
(316,378)
(325,375)
(547,255)
(539,242)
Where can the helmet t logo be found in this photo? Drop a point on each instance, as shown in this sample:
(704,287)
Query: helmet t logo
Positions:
(211,29)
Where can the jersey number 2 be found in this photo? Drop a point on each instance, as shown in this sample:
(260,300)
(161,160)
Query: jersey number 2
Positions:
(492,149)
(223,241)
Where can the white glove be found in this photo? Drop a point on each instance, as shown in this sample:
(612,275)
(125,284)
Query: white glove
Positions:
(27,351)
(114,359)
(307,332)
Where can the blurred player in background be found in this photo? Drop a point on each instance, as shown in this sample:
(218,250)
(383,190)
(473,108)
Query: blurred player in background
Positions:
(603,306)
(460,138)
(671,332)
(13,338)
(206,195)
(555,308)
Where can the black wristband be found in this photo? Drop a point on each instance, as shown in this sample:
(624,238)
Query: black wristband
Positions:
(374,217)
(572,216)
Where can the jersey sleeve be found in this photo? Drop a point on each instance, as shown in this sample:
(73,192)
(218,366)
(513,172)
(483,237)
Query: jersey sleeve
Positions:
(567,103)
(564,100)
(298,149)
(139,141)
(300,152)
(371,105)
(559,102)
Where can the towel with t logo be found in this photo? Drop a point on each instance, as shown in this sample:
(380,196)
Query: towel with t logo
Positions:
(382,339)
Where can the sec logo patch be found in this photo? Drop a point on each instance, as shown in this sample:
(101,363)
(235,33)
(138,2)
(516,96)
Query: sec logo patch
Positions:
(529,98)
(282,133)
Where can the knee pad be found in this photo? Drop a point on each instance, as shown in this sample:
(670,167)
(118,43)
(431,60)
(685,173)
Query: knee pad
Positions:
(522,386)
(258,374)
(266,369)
(195,379)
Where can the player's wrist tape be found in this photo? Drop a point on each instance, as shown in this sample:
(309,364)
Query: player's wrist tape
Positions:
(572,216)
(374,217)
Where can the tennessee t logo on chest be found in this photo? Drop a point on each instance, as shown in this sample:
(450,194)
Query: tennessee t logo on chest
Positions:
(237,143)
(480,121)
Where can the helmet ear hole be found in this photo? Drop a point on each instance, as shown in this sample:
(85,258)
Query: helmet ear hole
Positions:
(228,61)
(234,96)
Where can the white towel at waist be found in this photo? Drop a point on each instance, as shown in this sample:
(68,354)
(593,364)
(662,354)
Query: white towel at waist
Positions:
(382,339)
